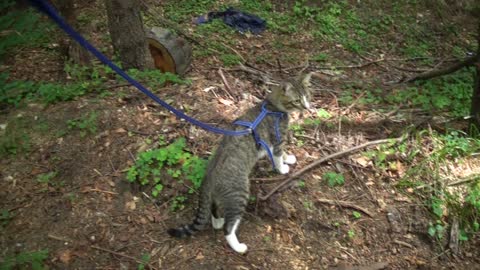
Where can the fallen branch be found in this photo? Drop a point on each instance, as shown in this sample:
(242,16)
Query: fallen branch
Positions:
(322,160)
(124,256)
(443,71)
(466,180)
(346,205)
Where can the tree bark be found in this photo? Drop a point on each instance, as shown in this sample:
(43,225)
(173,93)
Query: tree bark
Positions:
(475,109)
(71,49)
(127,33)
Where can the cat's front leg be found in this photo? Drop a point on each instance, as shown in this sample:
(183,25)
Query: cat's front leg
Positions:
(278,159)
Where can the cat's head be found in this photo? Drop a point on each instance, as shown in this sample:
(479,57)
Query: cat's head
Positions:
(292,95)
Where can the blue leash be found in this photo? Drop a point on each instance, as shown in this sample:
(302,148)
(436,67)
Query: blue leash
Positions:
(46,8)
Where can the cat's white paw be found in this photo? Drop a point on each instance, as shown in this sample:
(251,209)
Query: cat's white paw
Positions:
(240,248)
(233,242)
(217,223)
(283,169)
(290,159)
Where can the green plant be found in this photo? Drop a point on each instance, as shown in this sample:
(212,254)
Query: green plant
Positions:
(173,160)
(436,230)
(155,78)
(437,206)
(13,92)
(21,28)
(15,139)
(180,11)
(301,184)
(320,57)
(144,260)
(351,233)
(334,179)
(356,214)
(308,205)
(86,124)
(45,178)
(5,217)
(178,203)
(426,156)
(25,260)
(230,59)
(448,93)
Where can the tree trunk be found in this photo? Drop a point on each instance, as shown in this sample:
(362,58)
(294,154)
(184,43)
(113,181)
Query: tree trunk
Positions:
(127,33)
(71,49)
(475,109)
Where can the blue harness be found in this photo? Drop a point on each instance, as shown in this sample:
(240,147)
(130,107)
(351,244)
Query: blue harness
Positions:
(252,126)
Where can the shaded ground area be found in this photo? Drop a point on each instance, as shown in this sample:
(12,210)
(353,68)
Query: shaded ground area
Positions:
(89,217)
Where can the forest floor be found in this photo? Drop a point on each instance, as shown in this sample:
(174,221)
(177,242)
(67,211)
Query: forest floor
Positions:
(63,184)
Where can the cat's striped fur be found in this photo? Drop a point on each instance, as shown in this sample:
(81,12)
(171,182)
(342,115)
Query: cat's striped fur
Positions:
(226,184)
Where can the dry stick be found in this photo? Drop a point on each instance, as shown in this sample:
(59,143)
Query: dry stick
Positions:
(123,255)
(346,205)
(227,89)
(322,160)
(354,103)
(401,243)
(265,77)
(355,66)
(100,191)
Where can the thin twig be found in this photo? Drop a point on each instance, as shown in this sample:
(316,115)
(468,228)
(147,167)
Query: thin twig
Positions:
(322,160)
(151,200)
(401,243)
(355,66)
(346,205)
(131,155)
(101,191)
(227,89)
(354,103)
(280,69)
(466,180)
(58,238)
(124,256)
(141,133)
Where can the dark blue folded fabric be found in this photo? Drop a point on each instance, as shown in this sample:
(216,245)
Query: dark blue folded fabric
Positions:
(242,21)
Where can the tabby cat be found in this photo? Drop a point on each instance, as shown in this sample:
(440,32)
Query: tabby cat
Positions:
(226,184)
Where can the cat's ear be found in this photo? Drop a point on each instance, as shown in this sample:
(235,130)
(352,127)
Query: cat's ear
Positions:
(306,79)
(288,89)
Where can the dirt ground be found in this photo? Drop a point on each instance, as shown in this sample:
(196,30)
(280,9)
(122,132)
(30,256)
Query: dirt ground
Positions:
(90,217)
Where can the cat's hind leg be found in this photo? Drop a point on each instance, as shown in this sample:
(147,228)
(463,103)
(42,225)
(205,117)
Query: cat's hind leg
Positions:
(234,208)
(232,239)
(217,220)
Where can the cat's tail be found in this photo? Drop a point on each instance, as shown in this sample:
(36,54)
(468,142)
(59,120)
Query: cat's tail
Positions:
(202,219)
